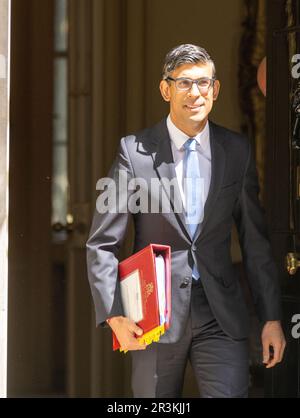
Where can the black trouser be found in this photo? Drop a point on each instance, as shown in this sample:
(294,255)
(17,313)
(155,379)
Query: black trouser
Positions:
(220,364)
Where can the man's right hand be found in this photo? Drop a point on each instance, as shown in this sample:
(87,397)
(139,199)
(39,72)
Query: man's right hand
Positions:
(125,330)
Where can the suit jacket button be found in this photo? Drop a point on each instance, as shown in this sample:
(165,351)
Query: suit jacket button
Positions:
(185,283)
(194,248)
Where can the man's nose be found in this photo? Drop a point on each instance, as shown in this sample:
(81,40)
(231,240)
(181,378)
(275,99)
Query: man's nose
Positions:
(194,91)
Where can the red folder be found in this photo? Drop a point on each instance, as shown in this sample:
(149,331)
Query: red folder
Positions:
(141,268)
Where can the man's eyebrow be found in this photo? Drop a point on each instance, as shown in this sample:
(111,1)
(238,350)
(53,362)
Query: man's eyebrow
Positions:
(198,78)
(187,76)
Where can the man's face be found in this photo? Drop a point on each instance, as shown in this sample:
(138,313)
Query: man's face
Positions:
(189,109)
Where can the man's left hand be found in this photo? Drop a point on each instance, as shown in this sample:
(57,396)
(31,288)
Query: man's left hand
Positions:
(272,336)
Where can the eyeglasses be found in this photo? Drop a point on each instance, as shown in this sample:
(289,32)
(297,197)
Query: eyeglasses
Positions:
(185,84)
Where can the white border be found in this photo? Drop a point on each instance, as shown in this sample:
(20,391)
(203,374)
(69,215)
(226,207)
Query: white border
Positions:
(4,238)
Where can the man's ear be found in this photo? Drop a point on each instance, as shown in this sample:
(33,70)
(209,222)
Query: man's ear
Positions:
(217,86)
(164,88)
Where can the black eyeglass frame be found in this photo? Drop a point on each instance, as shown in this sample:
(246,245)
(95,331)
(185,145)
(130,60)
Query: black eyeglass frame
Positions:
(212,82)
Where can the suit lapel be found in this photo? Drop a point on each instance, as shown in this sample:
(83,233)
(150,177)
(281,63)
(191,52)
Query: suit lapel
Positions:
(218,159)
(159,146)
(164,167)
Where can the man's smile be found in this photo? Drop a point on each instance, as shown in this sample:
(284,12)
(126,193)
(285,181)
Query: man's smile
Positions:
(194,108)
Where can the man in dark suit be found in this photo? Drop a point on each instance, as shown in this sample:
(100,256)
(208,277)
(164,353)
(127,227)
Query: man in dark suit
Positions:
(210,321)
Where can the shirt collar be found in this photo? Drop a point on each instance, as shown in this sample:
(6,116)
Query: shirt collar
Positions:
(179,138)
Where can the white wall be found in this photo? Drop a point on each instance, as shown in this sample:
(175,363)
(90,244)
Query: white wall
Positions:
(4,81)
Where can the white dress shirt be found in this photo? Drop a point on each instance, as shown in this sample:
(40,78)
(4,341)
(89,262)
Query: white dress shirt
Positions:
(178,138)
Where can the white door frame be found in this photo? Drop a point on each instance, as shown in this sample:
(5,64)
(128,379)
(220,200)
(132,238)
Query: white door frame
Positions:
(5,8)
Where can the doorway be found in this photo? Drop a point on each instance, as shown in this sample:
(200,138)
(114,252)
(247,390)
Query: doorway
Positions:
(69,108)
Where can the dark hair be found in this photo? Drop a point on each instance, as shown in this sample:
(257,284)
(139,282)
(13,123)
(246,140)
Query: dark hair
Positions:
(186,54)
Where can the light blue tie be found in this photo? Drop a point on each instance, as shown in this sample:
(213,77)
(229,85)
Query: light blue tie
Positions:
(193,188)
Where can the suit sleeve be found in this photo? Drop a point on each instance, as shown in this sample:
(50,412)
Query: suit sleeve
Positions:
(106,237)
(261,269)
